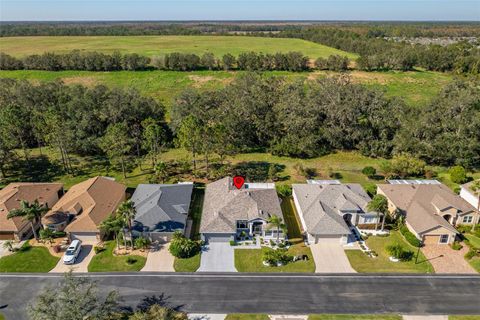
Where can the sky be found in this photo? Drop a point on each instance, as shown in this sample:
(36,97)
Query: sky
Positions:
(42,10)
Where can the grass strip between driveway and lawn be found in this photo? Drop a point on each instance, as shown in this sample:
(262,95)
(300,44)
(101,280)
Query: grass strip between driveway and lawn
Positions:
(354,317)
(105,261)
(474,240)
(251,260)
(187,265)
(29,259)
(247,316)
(362,263)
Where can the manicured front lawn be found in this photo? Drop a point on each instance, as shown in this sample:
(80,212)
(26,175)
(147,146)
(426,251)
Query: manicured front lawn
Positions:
(463,317)
(290,217)
(187,265)
(2,317)
(251,260)
(362,263)
(105,261)
(354,317)
(474,241)
(246,316)
(29,259)
(475,263)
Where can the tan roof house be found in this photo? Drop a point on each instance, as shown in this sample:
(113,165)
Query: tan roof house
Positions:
(232,214)
(83,208)
(10,199)
(471,193)
(431,210)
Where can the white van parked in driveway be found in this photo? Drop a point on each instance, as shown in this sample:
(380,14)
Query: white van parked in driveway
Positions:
(72,252)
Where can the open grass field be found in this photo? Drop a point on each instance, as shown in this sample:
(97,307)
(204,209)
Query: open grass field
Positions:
(160,45)
(416,87)
(29,259)
(251,260)
(105,261)
(362,263)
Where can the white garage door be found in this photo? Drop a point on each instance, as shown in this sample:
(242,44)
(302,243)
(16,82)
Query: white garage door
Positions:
(85,237)
(220,237)
(329,239)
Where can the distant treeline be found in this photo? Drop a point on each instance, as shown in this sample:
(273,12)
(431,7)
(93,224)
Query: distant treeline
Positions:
(380,54)
(370,29)
(94,61)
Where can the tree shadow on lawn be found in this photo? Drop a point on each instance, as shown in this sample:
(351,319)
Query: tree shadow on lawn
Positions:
(149,301)
(258,170)
(37,169)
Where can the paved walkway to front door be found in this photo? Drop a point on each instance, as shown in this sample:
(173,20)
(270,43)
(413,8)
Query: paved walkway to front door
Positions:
(159,259)
(446,260)
(330,257)
(217,257)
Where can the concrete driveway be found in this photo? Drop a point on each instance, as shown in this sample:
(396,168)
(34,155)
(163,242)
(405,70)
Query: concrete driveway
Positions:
(81,264)
(446,260)
(330,257)
(217,257)
(159,259)
(3,251)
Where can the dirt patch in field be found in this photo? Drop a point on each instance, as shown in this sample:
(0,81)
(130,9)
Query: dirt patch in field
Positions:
(360,77)
(86,81)
(200,81)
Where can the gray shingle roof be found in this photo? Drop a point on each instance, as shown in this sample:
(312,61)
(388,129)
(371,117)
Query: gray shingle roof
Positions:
(323,206)
(224,205)
(161,207)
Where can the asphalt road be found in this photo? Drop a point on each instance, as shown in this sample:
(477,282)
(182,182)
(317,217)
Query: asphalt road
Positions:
(272,293)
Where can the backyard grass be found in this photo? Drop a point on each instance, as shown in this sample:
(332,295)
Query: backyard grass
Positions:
(29,259)
(196,211)
(247,316)
(187,265)
(354,317)
(160,45)
(251,260)
(416,87)
(362,263)
(291,218)
(105,261)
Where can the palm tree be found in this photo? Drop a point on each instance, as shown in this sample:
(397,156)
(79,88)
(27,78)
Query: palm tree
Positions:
(379,204)
(277,222)
(127,211)
(30,212)
(113,224)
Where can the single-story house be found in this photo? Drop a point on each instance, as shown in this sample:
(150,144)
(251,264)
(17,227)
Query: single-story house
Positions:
(231,214)
(162,209)
(470,192)
(10,198)
(84,206)
(431,210)
(329,209)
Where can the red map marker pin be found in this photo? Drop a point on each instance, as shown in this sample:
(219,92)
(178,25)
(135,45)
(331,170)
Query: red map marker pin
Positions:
(238,181)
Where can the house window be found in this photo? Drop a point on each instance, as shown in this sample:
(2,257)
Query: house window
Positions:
(369,219)
(444,238)
(242,224)
(467,219)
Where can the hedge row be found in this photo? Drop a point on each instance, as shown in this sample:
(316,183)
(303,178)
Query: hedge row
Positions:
(410,237)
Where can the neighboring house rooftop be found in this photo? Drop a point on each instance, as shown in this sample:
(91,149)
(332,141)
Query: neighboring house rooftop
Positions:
(12,195)
(323,205)
(161,207)
(224,205)
(423,204)
(471,187)
(91,201)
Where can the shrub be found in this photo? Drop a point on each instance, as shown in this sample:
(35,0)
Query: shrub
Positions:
(233,243)
(410,237)
(397,251)
(458,174)
(456,246)
(182,247)
(369,171)
(142,242)
(371,189)
(131,260)
(284,190)
(273,257)
(98,249)
(59,234)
